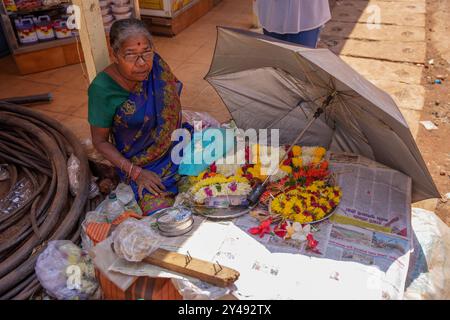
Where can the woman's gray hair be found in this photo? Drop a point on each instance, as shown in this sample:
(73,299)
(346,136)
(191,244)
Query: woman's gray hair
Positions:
(121,30)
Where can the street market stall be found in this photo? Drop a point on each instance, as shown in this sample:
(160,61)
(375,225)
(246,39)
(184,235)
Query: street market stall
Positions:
(332,216)
(338,207)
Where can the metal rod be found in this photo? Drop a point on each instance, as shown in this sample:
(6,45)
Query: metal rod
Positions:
(317,114)
(40,98)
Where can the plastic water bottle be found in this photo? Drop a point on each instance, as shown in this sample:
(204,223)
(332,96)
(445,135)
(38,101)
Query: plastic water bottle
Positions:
(113,208)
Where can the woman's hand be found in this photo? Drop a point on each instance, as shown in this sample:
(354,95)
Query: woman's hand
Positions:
(146,179)
(150,181)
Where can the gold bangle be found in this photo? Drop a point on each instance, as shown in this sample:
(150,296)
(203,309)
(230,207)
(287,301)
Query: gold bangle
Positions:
(122,163)
(130,171)
(136,174)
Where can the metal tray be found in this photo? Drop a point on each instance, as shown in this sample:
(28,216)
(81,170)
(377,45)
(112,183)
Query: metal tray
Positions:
(221,213)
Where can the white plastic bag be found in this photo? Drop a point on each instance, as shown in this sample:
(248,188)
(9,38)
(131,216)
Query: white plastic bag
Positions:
(200,120)
(126,195)
(135,240)
(199,290)
(429,272)
(66,272)
(73,169)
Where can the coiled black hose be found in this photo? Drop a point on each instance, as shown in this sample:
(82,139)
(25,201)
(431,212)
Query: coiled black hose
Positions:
(37,147)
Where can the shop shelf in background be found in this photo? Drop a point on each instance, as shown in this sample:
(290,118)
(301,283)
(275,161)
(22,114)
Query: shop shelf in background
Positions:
(165,8)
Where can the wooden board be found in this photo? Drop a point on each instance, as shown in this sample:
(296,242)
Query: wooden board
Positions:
(93,37)
(196,268)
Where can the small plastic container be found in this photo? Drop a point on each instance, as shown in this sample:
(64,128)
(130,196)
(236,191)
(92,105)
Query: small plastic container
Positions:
(121,2)
(26,31)
(108,26)
(104,3)
(120,9)
(105,11)
(107,19)
(44,28)
(61,30)
(123,16)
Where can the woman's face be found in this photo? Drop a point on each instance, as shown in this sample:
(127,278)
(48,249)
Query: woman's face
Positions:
(135,58)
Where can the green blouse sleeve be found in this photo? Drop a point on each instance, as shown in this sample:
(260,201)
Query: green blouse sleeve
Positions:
(104,97)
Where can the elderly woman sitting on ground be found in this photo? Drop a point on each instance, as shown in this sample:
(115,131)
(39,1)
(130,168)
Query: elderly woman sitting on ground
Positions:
(134,106)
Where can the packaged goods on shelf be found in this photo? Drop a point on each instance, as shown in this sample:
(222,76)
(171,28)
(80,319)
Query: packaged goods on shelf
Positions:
(26,31)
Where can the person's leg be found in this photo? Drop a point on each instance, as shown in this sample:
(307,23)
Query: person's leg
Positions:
(306,38)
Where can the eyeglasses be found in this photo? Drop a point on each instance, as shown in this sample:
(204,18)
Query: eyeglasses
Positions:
(133,58)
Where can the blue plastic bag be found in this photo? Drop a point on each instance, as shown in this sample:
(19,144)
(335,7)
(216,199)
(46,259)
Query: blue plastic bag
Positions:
(206,147)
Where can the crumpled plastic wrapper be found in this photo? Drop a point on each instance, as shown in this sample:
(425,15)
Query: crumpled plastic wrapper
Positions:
(73,169)
(66,272)
(126,195)
(18,196)
(200,120)
(135,240)
(199,290)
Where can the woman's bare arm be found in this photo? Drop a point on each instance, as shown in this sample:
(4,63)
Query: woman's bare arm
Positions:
(100,140)
(146,180)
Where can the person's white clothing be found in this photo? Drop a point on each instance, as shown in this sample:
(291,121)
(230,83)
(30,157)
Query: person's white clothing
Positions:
(293,16)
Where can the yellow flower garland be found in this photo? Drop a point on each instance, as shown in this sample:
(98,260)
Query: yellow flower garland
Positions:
(295,204)
(297,151)
(217,179)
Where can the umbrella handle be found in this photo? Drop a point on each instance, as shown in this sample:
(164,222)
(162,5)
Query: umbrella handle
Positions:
(320,110)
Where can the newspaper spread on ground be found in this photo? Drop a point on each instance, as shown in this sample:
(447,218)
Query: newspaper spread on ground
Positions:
(375,195)
(363,250)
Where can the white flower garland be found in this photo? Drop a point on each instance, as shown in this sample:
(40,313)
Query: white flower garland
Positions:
(241,189)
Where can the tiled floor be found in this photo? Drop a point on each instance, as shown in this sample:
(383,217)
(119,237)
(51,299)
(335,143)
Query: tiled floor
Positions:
(189,54)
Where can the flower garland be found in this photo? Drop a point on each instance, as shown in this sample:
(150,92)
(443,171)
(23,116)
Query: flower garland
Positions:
(223,189)
(298,177)
(307,204)
(302,193)
(212,184)
(286,230)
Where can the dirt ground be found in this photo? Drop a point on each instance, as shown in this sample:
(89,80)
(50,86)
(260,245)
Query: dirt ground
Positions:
(435,144)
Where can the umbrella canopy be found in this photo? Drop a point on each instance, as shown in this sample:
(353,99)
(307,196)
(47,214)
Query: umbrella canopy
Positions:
(266,83)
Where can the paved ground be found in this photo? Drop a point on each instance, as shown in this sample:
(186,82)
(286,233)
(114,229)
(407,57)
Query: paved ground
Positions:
(394,57)
(391,56)
(435,145)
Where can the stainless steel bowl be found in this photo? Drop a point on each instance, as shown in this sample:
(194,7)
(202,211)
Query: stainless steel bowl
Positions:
(174,221)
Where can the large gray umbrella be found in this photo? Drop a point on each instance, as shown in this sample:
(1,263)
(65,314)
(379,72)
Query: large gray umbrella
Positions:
(266,83)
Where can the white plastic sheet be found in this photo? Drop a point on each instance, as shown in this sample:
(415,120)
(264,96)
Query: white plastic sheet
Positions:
(429,272)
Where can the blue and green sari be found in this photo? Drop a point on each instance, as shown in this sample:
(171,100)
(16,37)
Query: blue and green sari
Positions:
(142,130)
